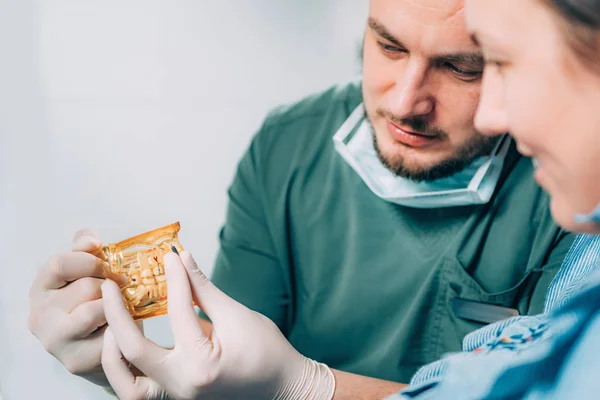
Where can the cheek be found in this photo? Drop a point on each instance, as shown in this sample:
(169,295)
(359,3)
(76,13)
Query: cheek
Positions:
(471,102)
(455,106)
(474,95)
(527,113)
(378,73)
(555,123)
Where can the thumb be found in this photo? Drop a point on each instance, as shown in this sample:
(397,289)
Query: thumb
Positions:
(88,241)
(212,301)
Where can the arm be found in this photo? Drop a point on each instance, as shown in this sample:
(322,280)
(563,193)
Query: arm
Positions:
(348,386)
(248,266)
(357,387)
(248,269)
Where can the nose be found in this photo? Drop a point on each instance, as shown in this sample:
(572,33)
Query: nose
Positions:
(411,96)
(491,119)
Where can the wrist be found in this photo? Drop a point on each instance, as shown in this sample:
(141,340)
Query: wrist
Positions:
(315,381)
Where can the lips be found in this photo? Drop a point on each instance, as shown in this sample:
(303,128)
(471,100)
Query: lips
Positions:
(523,149)
(409,138)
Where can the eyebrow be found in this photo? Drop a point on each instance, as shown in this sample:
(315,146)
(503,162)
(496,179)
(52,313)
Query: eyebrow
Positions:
(379,29)
(473,59)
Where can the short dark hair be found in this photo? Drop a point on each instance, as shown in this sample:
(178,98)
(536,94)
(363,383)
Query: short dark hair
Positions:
(580,20)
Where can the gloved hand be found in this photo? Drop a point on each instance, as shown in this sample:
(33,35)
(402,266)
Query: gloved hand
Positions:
(245,356)
(66,309)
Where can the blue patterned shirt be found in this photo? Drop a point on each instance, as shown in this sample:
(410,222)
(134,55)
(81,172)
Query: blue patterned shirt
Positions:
(502,340)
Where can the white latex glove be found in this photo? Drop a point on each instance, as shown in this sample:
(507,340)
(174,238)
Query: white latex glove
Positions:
(245,357)
(66,307)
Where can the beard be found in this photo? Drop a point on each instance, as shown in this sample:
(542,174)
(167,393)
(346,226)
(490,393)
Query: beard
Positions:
(462,157)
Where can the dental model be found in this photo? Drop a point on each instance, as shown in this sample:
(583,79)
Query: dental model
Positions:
(140,259)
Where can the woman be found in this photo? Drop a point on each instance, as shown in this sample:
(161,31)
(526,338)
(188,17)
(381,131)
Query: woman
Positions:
(542,84)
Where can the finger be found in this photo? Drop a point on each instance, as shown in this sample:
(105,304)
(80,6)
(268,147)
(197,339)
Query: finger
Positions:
(115,367)
(79,355)
(120,377)
(86,318)
(208,297)
(82,357)
(140,326)
(184,321)
(76,293)
(88,241)
(141,352)
(68,267)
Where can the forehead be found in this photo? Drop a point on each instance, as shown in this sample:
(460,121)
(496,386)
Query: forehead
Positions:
(524,28)
(430,26)
(504,17)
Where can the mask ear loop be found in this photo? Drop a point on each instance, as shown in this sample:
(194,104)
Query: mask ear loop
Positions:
(494,164)
(347,127)
(593,217)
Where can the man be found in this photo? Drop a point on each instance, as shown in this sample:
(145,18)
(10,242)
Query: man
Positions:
(372,223)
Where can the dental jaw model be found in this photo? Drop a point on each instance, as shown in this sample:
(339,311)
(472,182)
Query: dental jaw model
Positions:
(140,260)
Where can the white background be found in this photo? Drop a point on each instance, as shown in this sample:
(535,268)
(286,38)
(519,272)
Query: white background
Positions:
(124,116)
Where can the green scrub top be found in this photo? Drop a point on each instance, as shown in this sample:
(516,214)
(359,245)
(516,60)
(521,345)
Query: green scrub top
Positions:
(362,284)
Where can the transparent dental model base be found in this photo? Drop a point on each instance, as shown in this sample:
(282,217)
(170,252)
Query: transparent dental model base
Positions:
(140,259)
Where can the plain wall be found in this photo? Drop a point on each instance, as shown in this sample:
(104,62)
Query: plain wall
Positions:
(123,116)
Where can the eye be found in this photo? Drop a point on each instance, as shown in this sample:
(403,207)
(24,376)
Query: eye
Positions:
(464,74)
(391,51)
(494,63)
(388,48)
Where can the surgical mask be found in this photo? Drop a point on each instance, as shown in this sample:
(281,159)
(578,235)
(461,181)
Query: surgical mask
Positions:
(473,185)
(593,217)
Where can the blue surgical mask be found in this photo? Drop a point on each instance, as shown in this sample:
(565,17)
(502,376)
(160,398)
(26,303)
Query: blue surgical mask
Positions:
(473,185)
(593,217)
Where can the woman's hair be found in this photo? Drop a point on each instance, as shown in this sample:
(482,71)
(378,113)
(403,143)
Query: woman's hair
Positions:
(580,20)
